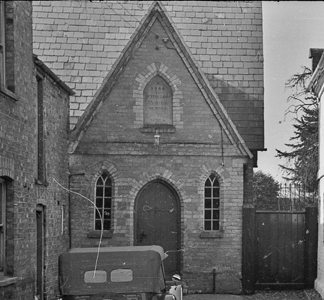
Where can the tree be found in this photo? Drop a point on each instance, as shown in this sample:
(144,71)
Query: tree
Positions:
(265,191)
(302,160)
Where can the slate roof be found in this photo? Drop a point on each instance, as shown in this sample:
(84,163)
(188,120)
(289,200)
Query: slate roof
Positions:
(81,40)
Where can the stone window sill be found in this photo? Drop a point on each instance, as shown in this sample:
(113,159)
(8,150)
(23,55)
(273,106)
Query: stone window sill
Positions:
(95,234)
(7,280)
(212,234)
(9,93)
(158,128)
(41,182)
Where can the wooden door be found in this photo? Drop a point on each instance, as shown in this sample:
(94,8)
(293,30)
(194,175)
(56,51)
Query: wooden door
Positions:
(40,239)
(157,222)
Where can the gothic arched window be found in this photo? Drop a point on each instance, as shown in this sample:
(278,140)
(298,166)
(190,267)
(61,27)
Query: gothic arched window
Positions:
(103,210)
(158,102)
(212,204)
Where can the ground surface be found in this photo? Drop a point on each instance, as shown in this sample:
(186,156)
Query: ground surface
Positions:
(285,295)
(261,295)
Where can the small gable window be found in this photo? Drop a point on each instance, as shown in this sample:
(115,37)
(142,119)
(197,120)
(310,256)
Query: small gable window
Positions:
(103,210)
(212,204)
(158,102)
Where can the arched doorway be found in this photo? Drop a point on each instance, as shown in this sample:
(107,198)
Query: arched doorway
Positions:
(157,221)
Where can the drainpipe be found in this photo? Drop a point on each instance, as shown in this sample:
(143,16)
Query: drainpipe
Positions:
(214,280)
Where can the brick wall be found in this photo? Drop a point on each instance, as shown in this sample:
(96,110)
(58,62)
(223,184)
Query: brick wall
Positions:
(199,253)
(116,141)
(18,144)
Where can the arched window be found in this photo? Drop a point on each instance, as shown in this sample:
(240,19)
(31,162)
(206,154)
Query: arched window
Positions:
(212,204)
(103,203)
(158,102)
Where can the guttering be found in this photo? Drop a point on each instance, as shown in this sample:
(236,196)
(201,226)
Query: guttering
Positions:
(49,72)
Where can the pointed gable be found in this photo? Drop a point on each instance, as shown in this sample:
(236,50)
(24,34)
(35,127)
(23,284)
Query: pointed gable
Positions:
(174,40)
(81,41)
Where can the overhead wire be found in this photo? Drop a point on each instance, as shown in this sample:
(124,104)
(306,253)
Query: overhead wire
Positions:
(132,15)
(126,21)
(137,20)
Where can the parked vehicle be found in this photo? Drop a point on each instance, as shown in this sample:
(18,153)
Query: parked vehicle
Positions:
(114,273)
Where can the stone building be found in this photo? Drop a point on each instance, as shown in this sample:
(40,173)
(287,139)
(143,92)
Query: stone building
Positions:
(34,125)
(316,86)
(167,121)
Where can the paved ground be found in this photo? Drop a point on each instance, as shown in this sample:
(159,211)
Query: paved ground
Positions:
(264,295)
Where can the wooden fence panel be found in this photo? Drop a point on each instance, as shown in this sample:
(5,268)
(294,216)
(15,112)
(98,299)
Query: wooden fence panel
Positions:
(311,229)
(263,260)
(248,253)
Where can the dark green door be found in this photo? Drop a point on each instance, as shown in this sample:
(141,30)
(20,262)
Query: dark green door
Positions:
(157,222)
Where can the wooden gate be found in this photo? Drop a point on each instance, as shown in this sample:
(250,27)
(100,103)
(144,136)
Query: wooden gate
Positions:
(279,249)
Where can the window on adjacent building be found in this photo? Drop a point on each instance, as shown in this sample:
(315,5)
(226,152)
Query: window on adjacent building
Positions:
(2,44)
(3,196)
(41,171)
(103,211)
(7,72)
(212,204)
(158,102)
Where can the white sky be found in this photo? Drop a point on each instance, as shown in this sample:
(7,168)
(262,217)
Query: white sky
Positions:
(290,29)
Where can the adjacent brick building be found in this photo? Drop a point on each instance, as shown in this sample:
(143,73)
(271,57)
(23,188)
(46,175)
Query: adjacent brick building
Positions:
(34,124)
(167,121)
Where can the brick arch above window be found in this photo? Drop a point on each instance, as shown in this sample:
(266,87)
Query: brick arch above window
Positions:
(140,83)
(103,167)
(220,171)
